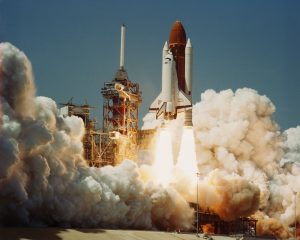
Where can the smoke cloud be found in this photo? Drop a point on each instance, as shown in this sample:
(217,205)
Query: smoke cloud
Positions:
(246,165)
(44,179)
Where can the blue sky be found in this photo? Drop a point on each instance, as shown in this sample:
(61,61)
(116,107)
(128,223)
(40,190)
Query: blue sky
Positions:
(74,46)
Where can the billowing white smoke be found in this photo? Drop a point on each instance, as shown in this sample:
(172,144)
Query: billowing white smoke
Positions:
(235,132)
(45,181)
(246,164)
(292,146)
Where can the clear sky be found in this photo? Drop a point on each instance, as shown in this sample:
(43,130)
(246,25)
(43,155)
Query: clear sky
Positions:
(74,46)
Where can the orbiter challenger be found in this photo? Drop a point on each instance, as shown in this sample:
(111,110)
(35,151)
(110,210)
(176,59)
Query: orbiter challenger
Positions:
(176,92)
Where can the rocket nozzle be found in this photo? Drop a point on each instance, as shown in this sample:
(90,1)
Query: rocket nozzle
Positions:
(188,118)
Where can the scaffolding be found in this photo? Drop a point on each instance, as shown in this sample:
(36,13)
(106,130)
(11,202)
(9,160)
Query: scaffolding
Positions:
(121,100)
(208,220)
(93,144)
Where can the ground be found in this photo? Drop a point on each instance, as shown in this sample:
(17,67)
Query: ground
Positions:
(89,234)
(94,234)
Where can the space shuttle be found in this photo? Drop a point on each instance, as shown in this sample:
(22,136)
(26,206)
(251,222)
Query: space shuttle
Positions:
(176,91)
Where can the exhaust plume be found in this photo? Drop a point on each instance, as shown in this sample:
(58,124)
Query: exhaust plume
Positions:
(246,164)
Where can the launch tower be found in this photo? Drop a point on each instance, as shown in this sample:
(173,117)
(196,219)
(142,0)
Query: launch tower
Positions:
(121,100)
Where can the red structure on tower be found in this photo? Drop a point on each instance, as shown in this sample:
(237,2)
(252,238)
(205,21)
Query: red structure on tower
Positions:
(121,100)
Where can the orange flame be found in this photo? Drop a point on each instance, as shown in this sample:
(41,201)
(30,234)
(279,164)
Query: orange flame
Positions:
(208,228)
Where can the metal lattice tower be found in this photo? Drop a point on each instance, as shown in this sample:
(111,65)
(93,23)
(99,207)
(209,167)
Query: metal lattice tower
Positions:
(92,138)
(121,100)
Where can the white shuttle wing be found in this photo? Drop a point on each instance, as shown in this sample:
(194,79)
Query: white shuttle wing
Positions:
(156,103)
(182,103)
(158,106)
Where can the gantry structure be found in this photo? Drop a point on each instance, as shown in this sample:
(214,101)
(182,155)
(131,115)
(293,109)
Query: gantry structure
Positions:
(121,100)
(209,222)
(91,141)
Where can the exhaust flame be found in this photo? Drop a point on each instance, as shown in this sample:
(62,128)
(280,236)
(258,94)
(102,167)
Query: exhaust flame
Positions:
(208,228)
(187,155)
(164,163)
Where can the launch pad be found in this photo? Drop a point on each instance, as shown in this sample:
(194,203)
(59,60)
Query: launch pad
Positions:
(209,222)
(120,137)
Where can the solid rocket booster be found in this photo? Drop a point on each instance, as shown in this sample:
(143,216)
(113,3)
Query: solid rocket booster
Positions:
(188,67)
(176,92)
(188,118)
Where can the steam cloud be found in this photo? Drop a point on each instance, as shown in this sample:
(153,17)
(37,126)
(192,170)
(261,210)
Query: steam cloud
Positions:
(45,181)
(247,165)
(236,134)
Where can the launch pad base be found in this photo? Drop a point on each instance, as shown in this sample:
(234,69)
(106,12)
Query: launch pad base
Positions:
(103,234)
